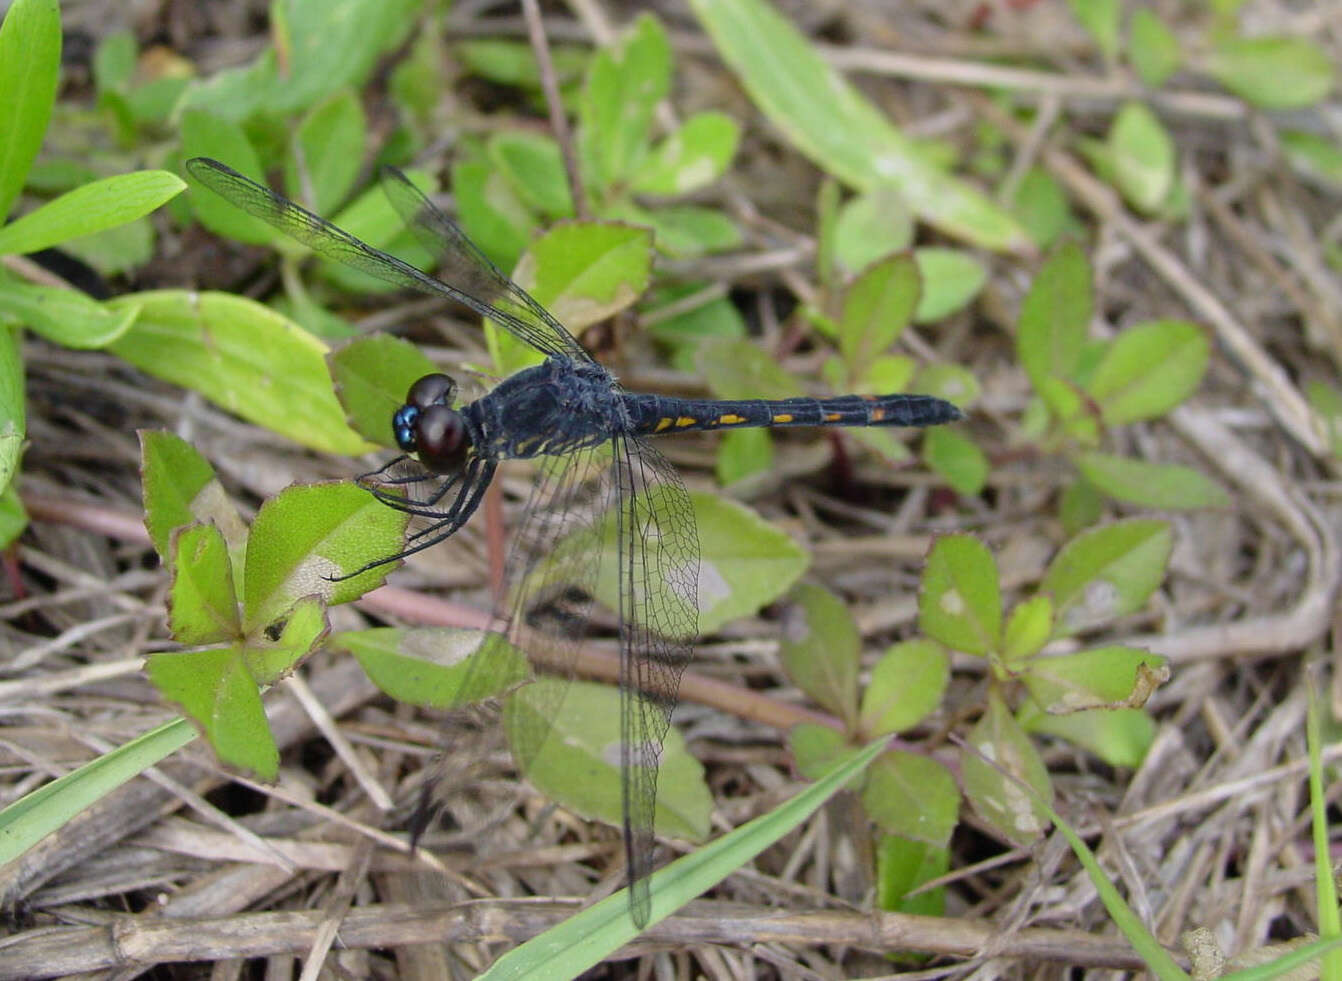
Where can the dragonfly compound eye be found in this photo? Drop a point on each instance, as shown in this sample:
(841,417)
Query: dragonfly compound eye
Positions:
(431,390)
(440,438)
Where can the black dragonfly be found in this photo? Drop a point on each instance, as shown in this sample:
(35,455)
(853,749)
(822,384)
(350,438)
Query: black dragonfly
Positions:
(598,471)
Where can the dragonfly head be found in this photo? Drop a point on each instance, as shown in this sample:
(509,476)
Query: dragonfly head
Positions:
(429,427)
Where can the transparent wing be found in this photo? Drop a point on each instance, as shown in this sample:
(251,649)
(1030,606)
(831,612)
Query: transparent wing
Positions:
(480,282)
(659,620)
(471,271)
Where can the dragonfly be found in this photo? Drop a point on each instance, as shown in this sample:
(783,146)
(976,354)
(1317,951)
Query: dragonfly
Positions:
(571,415)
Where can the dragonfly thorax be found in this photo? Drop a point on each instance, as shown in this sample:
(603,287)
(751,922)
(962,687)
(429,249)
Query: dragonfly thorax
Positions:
(429,427)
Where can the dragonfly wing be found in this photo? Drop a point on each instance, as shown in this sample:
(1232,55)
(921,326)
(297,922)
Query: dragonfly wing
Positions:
(659,621)
(474,274)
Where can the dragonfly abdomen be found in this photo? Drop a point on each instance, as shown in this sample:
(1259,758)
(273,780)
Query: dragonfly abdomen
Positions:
(655,414)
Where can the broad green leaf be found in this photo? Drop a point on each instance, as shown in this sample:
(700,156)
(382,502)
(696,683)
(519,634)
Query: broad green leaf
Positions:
(743,453)
(418,82)
(960,603)
(1104,677)
(63,316)
(828,120)
(114,62)
(207,135)
(1028,629)
(624,84)
(817,749)
(1041,206)
(998,744)
(820,648)
(682,230)
(1101,19)
(13,422)
(202,607)
(1272,72)
(242,356)
(913,796)
(491,212)
(514,63)
(30,71)
(582,272)
(584,738)
(234,94)
(372,376)
(1149,369)
(1054,318)
(738,369)
(902,867)
(871,226)
(436,667)
(180,489)
(907,684)
(1120,737)
(1315,158)
(1153,50)
(886,374)
(951,279)
(586,938)
(695,155)
(877,307)
(957,458)
(214,691)
(91,208)
(1107,573)
(306,536)
(1080,506)
(270,656)
(1154,485)
(534,166)
(326,152)
(1142,155)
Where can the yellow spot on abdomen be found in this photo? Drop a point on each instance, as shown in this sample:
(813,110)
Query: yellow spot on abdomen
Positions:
(877,415)
(731,419)
(783,417)
(686,421)
(833,416)
(662,424)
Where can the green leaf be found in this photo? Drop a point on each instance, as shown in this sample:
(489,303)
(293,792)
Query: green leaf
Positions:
(103,204)
(513,63)
(817,749)
(903,866)
(579,763)
(269,657)
(738,369)
(951,279)
(682,230)
(1272,72)
(64,316)
(1142,155)
(534,167)
(491,212)
(115,251)
(207,135)
(114,62)
(30,71)
(202,607)
(582,272)
(692,157)
(957,458)
(1002,803)
(13,422)
(372,376)
(371,219)
(242,356)
(1054,317)
(1315,158)
(1028,629)
(960,603)
(1105,677)
(583,940)
(436,667)
(215,691)
(624,84)
(948,381)
(1149,369)
(326,152)
(1153,49)
(180,489)
(913,796)
(819,647)
(828,120)
(877,307)
(13,517)
(906,685)
(743,453)
(885,374)
(1107,572)
(871,226)
(1080,506)
(304,537)
(1100,18)
(1154,485)
(1120,737)
(1041,205)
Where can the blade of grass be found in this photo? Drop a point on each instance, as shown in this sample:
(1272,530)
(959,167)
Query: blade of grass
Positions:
(1326,888)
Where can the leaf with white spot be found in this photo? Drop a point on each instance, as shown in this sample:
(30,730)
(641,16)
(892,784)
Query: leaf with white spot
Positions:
(999,750)
(960,603)
(1107,572)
